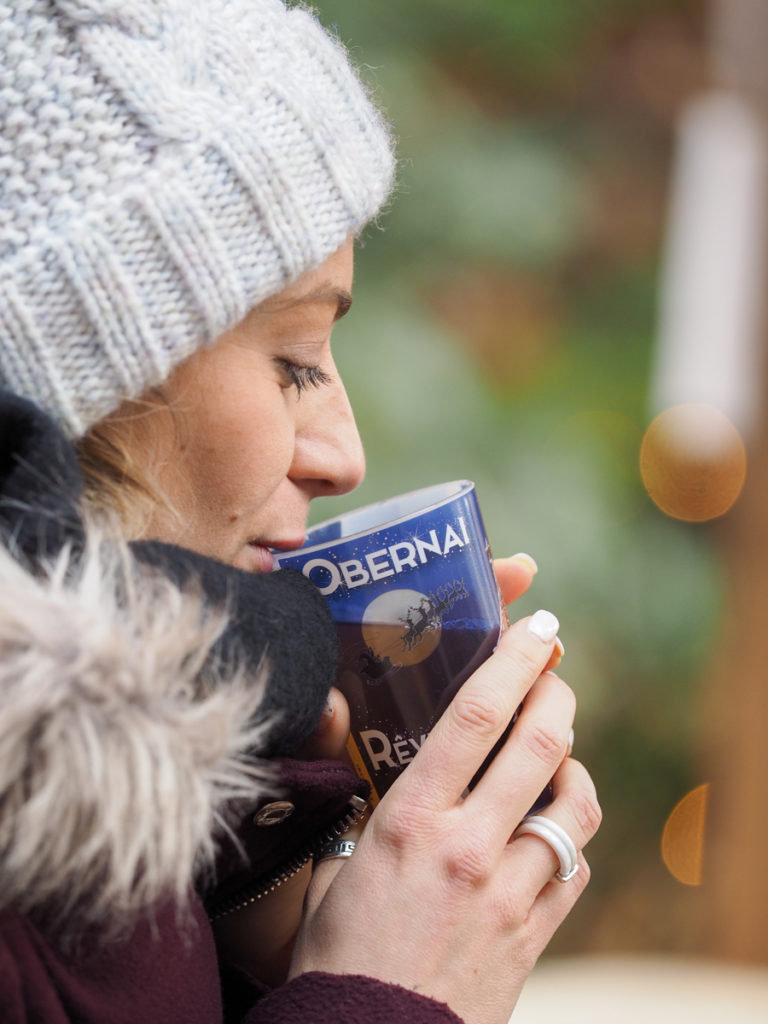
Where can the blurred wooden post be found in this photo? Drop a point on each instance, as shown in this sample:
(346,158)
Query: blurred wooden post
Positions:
(735,887)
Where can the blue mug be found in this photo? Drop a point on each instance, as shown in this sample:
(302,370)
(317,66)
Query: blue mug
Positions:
(410,586)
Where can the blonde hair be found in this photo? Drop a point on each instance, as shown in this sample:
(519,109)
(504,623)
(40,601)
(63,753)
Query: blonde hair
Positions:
(118,475)
(114,483)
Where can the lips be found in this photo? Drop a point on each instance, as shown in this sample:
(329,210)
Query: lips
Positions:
(256,558)
(259,553)
(284,545)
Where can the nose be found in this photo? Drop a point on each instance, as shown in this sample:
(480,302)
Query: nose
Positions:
(328,453)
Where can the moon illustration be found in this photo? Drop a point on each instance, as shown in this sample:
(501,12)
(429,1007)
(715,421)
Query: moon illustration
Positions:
(387,632)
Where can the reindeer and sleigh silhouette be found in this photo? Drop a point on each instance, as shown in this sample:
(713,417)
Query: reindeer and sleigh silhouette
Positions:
(419,620)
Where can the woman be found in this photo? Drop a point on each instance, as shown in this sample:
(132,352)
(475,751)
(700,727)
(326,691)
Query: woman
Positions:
(182,184)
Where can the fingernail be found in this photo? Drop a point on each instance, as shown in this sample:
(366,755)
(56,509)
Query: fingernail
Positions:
(571,738)
(544,625)
(328,709)
(526,561)
(557,655)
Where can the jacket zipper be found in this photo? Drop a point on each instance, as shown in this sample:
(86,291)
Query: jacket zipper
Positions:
(257,890)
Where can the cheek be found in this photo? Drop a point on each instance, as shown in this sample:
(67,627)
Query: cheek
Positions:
(240,455)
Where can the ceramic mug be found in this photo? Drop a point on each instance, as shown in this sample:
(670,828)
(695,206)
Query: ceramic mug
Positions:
(410,586)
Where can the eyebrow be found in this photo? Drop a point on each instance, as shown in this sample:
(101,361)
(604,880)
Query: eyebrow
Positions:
(339,297)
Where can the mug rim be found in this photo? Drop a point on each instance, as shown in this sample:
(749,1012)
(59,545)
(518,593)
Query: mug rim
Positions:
(450,491)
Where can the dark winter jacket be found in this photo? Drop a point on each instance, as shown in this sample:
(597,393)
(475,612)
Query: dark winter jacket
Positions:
(150,700)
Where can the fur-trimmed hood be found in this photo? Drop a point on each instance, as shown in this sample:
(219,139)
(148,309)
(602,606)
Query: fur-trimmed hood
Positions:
(141,689)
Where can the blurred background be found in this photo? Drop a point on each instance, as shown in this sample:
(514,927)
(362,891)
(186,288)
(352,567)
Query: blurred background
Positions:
(564,305)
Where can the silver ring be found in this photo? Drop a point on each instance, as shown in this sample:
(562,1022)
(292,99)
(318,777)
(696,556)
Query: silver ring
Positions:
(338,848)
(556,838)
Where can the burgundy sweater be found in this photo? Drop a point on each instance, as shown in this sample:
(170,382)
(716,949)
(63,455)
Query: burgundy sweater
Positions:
(167,972)
(164,976)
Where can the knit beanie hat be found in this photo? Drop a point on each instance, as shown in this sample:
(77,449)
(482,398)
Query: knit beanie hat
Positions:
(165,165)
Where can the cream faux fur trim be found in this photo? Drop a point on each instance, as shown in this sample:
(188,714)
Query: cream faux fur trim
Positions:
(117,754)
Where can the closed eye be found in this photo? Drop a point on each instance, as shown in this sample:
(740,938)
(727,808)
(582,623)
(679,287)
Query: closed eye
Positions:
(301,376)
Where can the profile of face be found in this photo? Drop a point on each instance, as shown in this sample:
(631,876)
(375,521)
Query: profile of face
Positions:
(254,427)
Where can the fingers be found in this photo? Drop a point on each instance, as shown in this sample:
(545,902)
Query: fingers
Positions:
(532,753)
(575,809)
(514,575)
(323,874)
(467,731)
(330,737)
(552,904)
(324,871)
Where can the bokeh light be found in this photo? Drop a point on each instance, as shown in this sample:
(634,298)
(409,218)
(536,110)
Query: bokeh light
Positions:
(682,842)
(693,462)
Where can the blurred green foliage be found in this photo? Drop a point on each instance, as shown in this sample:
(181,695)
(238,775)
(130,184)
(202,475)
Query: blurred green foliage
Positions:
(503,331)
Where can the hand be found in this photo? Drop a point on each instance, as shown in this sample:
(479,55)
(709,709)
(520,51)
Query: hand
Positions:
(436,898)
(259,938)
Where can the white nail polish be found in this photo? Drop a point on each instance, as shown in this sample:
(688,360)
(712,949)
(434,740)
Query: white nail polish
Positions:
(544,625)
(571,738)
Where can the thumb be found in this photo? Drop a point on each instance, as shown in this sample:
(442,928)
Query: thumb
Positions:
(329,739)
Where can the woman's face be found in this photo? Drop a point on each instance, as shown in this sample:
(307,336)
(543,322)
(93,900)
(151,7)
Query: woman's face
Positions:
(256,426)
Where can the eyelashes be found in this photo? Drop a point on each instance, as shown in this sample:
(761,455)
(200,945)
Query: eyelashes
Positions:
(302,377)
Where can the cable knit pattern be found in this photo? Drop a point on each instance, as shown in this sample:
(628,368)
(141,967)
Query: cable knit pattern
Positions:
(165,165)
